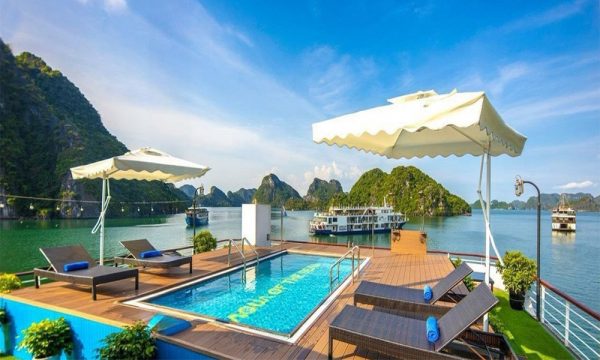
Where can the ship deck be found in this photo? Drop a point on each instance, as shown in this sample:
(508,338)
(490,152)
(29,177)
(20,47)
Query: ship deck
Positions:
(220,341)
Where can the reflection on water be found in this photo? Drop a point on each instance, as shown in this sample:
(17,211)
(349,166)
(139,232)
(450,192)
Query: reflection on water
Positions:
(563,237)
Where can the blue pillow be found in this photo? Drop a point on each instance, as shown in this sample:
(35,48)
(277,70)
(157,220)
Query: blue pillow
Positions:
(80,265)
(431,327)
(150,254)
(427,293)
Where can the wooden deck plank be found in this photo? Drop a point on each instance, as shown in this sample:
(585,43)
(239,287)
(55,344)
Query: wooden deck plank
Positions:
(384,267)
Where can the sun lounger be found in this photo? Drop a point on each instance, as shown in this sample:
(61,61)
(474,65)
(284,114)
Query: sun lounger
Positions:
(75,265)
(405,301)
(138,248)
(406,338)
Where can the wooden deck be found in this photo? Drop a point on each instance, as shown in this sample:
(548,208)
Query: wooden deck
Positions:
(220,341)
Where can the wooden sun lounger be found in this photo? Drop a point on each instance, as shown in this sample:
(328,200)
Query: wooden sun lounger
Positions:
(165,261)
(94,275)
(405,338)
(406,301)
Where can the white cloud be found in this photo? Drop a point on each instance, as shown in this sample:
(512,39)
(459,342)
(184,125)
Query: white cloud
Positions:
(332,170)
(506,74)
(583,101)
(577,185)
(334,77)
(552,15)
(115,5)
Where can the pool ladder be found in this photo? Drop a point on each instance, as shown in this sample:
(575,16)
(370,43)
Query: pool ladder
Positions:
(355,253)
(242,254)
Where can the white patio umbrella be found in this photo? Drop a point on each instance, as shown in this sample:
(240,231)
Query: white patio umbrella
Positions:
(427,124)
(141,164)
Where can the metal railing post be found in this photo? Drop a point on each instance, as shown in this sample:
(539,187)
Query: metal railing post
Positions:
(543,304)
(251,248)
(352,266)
(331,279)
(358,273)
(567,320)
(229,254)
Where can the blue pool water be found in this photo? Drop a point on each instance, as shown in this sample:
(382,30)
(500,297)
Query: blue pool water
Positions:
(277,296)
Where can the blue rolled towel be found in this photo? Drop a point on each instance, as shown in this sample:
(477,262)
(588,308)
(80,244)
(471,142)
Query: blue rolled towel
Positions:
(150,254)
(80,265)
(427,293)
(433,332)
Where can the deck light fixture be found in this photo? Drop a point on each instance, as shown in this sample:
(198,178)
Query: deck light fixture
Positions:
(519,183)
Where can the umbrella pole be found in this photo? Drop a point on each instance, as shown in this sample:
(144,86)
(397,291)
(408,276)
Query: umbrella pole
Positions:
(487,232)
(104,181)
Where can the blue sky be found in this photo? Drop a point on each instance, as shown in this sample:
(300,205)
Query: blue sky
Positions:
(237,85)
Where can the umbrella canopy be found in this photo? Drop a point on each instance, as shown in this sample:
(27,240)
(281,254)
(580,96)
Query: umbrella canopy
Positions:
(425,124)
(141,164)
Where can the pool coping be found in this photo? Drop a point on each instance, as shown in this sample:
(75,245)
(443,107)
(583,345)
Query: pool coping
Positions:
(297,332)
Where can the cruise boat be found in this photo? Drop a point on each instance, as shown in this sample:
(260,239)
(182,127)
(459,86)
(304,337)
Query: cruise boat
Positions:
(563,217)
(356,220)
(197,215)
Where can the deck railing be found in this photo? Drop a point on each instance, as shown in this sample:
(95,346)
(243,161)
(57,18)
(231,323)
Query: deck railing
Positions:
(574,324)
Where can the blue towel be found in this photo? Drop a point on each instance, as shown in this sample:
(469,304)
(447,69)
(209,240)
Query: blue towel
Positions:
(80,265)
(433,332)
(150,254)
(427,293)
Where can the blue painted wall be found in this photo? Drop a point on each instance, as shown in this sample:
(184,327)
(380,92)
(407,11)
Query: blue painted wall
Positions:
(87,334)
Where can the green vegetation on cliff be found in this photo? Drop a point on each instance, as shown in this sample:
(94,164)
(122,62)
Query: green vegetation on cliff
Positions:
(275,192)
(215,198)
(242,196)
(407,189)
(47,126)
(320,192)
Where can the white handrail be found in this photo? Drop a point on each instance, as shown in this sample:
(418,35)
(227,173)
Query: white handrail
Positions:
(245,240)
(355,249)
(557,315)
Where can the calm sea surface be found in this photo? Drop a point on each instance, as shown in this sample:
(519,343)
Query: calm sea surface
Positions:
(569,261)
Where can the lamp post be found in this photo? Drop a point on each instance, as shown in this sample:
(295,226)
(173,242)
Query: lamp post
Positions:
(201,190)
(518,191)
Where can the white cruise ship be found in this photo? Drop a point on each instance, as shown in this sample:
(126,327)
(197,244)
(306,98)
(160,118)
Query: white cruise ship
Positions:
(563,216)
(356,220)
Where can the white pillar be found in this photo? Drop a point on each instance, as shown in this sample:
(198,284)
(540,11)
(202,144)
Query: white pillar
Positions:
(256,224)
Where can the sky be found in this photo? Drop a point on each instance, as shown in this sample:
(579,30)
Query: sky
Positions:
(236,85)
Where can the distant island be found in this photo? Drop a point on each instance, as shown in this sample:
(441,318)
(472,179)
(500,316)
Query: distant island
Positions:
(579,201)
(407,189)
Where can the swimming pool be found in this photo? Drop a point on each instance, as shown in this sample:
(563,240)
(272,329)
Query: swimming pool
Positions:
(277,296)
